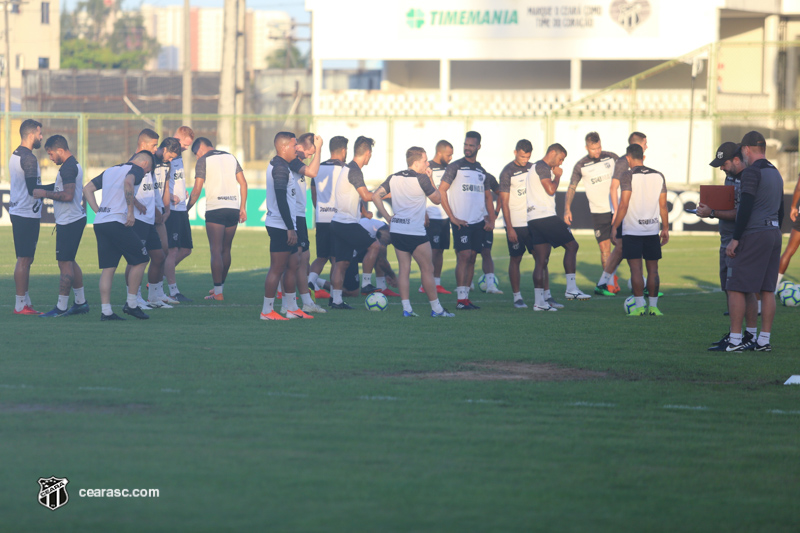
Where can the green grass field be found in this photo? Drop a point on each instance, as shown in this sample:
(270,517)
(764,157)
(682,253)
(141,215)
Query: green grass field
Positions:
(360,421)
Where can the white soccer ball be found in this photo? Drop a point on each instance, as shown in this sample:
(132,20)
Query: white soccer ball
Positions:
(629,304)
(785,284)
(482,282)
(376,301)
(790,297)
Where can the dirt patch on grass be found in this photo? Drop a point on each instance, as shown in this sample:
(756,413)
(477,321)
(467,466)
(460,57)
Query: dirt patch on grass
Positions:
(509,371)
(7,408)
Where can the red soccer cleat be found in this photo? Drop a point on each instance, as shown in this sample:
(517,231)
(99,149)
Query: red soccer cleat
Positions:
(442,290)
(321,293)
(389,292)
(27,310)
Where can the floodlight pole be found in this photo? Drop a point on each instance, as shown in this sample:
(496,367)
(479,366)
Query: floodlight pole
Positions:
(186,104)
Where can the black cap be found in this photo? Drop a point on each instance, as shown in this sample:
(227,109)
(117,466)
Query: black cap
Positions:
(725,152)
(753,138)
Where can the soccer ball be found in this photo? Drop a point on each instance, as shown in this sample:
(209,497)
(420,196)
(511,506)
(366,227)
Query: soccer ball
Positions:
(376,301)
(629,304)
(482,282)
(785,284)
(790,297)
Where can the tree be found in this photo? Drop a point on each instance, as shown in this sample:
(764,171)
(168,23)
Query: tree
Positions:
(284,57)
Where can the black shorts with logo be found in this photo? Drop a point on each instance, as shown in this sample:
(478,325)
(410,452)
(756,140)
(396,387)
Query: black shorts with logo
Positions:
(68,239)
(469,237)
(324,239)
(407,243)
(278,238)
(602,226)
(226,216)
(26,235)
(517,249)
(438,233)
(647,247)
(115,240)
(179,231)
(302,234)
(148,235)
(349,240)
(550,230)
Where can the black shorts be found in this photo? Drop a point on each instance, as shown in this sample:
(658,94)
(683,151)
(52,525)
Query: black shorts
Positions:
(724,265)
(324,239)
(115,240)
(647,247)
(26,235)
(755,266)
(227,217)
(277,241)
(179,231)
(407,243)
(349,240)
(352,281)
(147,234)
(619,235)
(469,237)
(68,238)
(550,230)
(602,226)
(517,249)
(438,233)
(302,234)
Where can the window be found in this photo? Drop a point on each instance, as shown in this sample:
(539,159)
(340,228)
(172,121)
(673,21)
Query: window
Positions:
(19,62)
(45,12)
(15,7)
(44,63)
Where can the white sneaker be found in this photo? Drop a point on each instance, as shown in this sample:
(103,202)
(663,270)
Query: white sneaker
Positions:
(169,300)
(158,305)
(492,289)
(546,307)
(313,308)
(577,295)
(142,304)
(552,303)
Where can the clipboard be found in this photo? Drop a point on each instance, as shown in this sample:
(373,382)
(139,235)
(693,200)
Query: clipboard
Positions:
(718,197)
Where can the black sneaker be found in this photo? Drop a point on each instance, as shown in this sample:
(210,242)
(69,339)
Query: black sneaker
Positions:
(181,298)
(723,341)
(749,340)
(369,289)
(78,309)
(311,286)
(742,347)
(134,312)
(330,301)
(112,316)
(472,305)
(342,305)
(759,348)
(54,313)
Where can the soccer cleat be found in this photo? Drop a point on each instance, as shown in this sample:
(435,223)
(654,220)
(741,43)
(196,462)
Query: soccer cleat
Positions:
(577,295)
(170,300)
(762,348)
(321,293)
(614,285)
(472,306)
(654,311)
(272,315)
(313,308)
(217,297)
(27,310)
(181,298)
(729,347)
(311,286)
(552,303)
(158,304)
(638,311)
(545,307)
(519,304)
(142,303)
(442,290)
(342,305)
(369,289)
(54,313)
(604,290)
(421,290)
(297,313)
(389,292)
(647,293)
(134,312)
(78,309)
(409,314)
(466,305)
(493,290)
(723,341)
(112,316)
(444,314)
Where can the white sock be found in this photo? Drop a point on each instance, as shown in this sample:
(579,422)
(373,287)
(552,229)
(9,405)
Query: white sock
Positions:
(438,281)
(436,306)
(152,292)
(159,290)
(173,289)
(547,294)
(312,278)
(269,304)
(63,302)
(306,298)
(380,282)
(321,283)
(517,296)
(490,280)
(407,305)
(337,296)
(139,292)
(280,286)
(28,299)
(79,297)
(604,279)
(133,301)
(759,307)
(571,285)
(289,301)
(639,301)
(217,289)
(735,338)
(778,284)
(106,309)
(753,332)
(654,301)
(538,298)
(366,279)
(19,305)
(461,293)
(472,286)
(763,338)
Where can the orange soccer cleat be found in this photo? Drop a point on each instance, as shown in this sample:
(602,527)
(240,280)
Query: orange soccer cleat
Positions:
(272,315)
(297,313)
(217,297)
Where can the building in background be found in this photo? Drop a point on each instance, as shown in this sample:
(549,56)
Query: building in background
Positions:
(266,32)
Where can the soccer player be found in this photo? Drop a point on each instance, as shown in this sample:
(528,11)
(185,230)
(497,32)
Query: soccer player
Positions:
(547,230)
(642,200)
(487,263)
(409,189)
(438,225)
(324,200)
(179,231)
(756,243)
(729,158)
(608,285)
(113,227)
(280,223)
(67,196)
(226,205)
(794,236)
(471,211)
(25,210)
(513,184)
(595,169)
(350,238)
(352,278)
